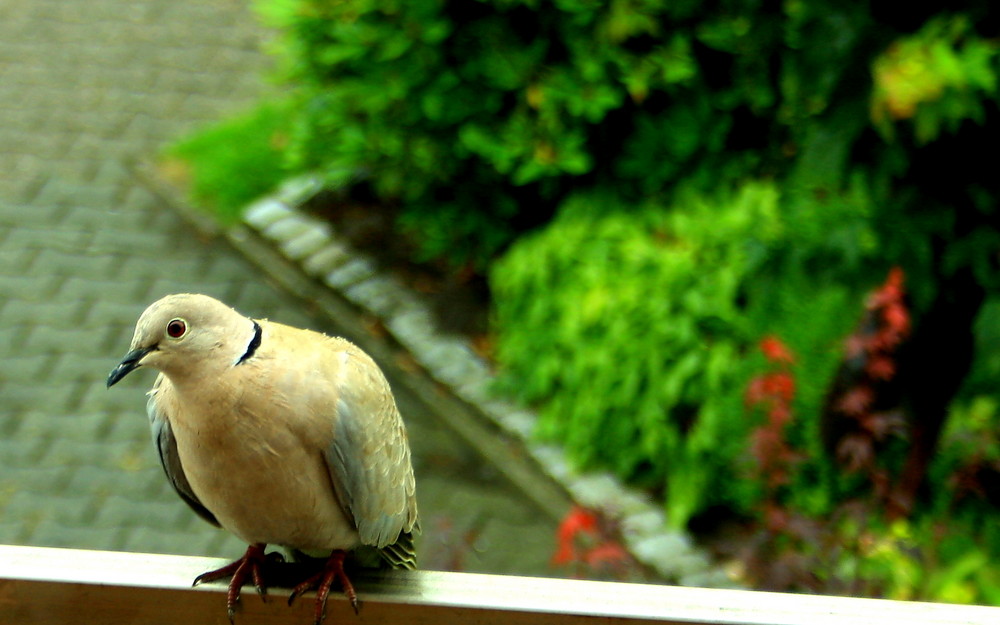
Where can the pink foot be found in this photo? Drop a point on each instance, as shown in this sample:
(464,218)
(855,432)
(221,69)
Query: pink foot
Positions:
(247,567)
(321,582)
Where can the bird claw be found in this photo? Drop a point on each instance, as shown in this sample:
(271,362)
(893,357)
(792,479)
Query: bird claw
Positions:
(247,567)
(322,581)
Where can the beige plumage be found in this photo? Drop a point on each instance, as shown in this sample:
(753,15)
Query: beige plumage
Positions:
(279,435)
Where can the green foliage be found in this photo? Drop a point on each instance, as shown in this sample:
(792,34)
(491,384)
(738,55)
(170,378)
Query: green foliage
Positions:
(982,380)
(636,341)
(971,442)
(478,119)
(639,352)
(713,175)
(914,561)
(236,161)
(965,541)
(399,94)
(493,111)
(946,556)
(938,77)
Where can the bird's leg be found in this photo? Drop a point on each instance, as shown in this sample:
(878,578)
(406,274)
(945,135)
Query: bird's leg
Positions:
(332,570)
(249,566)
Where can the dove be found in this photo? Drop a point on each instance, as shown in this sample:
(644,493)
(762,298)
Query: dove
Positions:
(279,435)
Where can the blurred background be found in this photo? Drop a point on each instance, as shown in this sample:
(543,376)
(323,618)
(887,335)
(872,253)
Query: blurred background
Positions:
(744,256)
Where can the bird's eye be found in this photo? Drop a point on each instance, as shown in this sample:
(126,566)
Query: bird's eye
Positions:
(176,328)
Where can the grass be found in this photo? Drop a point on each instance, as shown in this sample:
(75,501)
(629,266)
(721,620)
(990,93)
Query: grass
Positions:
(229,164)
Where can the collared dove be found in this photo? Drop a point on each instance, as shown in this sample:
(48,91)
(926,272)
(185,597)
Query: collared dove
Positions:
(277,434)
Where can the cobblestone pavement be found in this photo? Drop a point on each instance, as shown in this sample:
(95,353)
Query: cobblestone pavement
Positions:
(85,88)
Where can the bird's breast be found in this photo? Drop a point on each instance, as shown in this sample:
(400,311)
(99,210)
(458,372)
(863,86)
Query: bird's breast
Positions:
(260,480)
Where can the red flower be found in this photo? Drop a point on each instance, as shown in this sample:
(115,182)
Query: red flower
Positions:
(855,345)
(881,368)
(780,385)
(897,318)
(856,401)
(771,388)
(780,413)
(881,424)
(775,350)
(606,553)
(755,391)
(855,452)
(565,553)
(578,520)
(890,292)
(595,549)
(766,444)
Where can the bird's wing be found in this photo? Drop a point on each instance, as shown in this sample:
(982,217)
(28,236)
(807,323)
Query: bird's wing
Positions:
(369,458)
(166,448)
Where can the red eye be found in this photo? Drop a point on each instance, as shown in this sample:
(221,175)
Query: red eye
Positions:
(176,328)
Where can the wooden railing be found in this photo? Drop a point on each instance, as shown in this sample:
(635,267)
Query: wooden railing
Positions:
(42,586)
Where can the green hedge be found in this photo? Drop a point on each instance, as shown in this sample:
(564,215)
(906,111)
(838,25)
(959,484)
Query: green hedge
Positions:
(633,331)
(655,186)
(236,161)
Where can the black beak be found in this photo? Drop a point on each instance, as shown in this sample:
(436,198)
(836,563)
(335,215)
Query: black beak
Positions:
(128,363)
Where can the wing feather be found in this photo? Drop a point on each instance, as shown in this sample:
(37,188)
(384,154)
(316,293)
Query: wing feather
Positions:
(166,449)
(369,460)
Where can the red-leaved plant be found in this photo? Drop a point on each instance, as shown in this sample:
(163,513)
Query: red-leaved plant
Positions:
(862,411)
(773,392)
(585,543)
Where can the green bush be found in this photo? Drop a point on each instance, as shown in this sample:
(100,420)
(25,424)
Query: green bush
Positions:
(713,174)
(236,161)
(638,336)
(480,117)
(633,331)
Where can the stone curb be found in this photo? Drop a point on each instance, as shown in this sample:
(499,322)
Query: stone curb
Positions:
(313,246)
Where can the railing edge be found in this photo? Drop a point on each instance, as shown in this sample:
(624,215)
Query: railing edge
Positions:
(45,585)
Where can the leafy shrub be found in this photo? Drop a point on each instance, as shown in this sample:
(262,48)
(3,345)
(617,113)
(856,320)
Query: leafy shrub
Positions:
(716,174)
(937,78)
(236,161)
(638,335)
(944,556)
(480,117)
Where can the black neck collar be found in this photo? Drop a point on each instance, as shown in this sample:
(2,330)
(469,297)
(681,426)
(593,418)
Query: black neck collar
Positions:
(254,344)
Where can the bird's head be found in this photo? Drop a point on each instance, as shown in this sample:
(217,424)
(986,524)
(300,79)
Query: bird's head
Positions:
(187,334)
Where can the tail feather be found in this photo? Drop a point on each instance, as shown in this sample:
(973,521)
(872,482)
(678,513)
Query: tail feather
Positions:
(400,554)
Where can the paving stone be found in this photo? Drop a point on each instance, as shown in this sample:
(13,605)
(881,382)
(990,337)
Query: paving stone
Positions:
(267,212)
(42,238)
(51,533)
(308,243)
(350,273)
(412,328)
(24,368)
(378,295)
(137,242)
(52,339)
(25,397)
(297,190)
(520,423)
(62,191)
(288,229)
(58,262)
(102,311)
(122,291)
(449,361)
(325,260)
